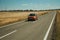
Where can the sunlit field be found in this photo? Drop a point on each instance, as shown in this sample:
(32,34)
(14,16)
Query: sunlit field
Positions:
(11,17)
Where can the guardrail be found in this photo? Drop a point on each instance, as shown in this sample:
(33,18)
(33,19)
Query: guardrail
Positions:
(49,34)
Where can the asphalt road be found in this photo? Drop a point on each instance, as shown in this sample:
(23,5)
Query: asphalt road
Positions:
(27,30)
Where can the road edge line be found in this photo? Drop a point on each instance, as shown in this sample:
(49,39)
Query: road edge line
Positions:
(11,24)
(46,35)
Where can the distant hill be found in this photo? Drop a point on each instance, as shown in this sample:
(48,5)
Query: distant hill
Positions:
(26,10)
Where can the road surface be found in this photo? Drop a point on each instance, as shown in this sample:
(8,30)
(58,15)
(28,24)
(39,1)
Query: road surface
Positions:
(30,30)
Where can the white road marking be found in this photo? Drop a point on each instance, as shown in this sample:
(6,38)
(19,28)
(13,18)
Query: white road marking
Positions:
(8,34)
(47,33)
(11,24)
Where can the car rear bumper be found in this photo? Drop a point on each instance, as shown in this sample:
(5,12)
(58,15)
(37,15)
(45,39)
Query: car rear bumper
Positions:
(31,19)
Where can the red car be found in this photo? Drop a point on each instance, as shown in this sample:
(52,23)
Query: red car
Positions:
(32,17)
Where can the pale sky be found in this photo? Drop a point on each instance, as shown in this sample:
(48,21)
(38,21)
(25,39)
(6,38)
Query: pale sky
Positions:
(29,4)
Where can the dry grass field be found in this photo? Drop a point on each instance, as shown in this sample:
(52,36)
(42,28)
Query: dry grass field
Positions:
(10,17)
(58,26)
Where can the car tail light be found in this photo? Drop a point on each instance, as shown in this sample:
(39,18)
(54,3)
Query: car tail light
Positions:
(34,16)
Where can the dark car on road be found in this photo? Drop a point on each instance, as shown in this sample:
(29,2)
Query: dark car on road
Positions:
(32,17)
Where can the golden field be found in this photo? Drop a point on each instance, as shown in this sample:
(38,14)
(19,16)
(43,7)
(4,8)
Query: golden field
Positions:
(10,17)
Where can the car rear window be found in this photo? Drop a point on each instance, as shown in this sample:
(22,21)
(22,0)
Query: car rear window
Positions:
(32,15)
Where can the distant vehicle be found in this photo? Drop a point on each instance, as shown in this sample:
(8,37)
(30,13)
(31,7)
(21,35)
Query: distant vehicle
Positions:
(32,17)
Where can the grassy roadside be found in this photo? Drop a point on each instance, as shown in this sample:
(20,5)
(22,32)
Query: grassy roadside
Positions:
(11,17)
(58,27)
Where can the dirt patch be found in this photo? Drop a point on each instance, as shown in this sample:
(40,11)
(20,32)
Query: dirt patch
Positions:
(58,26)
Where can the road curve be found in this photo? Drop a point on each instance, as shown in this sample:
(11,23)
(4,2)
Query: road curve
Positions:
(32,30)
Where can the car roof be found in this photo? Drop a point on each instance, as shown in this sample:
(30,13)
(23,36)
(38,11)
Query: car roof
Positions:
(32,14)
